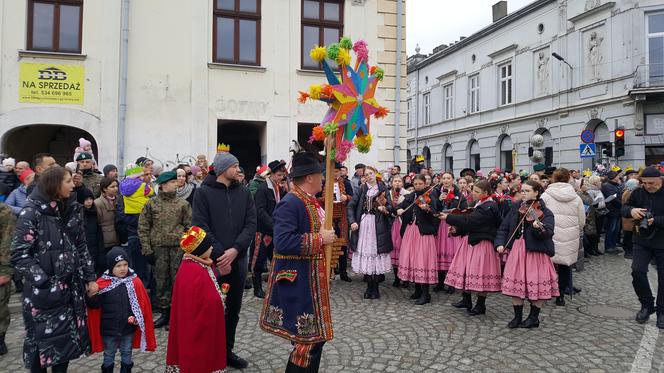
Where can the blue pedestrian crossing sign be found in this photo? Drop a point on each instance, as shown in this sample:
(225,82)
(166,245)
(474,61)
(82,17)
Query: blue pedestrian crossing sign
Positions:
(587,150)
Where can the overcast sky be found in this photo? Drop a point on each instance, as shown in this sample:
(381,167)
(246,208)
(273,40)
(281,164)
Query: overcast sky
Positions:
(430,23)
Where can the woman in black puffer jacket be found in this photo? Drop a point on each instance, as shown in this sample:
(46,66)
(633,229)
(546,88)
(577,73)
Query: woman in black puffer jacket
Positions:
(49,250)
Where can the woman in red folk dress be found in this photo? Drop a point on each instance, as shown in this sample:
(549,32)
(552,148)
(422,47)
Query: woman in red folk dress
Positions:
(450,199)
(394,198)
(418,260)
(529,272)
(476,265)
(197,336)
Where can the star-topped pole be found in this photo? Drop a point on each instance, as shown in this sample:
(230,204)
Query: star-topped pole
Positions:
(351,104)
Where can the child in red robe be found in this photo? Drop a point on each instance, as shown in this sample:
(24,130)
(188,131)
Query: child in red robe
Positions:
(197,337)
(120,315)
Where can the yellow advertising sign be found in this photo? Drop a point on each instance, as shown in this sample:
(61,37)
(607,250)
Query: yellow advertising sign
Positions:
(51,84)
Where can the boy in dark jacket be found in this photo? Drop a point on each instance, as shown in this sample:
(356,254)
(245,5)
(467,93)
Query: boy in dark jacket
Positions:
(120,316)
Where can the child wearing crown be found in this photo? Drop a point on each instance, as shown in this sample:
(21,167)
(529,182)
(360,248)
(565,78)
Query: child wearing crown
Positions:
(197,337)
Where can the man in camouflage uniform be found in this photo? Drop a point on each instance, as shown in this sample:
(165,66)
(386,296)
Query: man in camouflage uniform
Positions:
(7,224)
(162,222)
(91,179)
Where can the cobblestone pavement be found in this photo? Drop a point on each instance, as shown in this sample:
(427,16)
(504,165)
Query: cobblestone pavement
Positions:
(392,335)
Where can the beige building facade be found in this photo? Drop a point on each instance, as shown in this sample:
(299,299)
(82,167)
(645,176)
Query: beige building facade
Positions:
(197,73)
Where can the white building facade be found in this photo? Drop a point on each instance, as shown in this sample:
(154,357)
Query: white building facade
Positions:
(198,73)
(481,100)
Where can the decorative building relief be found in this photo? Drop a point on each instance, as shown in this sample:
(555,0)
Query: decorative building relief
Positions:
(591,4)
(595,55)
(542,71)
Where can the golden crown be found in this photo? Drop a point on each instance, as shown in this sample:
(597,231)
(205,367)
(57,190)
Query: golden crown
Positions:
(223,148)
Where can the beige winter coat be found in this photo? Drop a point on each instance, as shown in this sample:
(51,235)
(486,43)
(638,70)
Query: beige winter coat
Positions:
(570,215)
(106,217)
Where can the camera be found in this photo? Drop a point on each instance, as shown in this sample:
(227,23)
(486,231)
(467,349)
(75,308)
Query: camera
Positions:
(643,224)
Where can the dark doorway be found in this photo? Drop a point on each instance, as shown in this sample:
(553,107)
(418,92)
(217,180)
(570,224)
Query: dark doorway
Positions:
(654,155)
(245,139)
(23,143)
(304,131)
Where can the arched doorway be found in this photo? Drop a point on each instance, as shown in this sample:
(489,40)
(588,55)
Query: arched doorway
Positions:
(448,158)
(546,147)
(474,158)
(22,143)
(426,153)
(603,144)
(504,147)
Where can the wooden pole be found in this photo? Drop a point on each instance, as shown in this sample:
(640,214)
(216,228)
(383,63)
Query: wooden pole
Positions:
(329,199)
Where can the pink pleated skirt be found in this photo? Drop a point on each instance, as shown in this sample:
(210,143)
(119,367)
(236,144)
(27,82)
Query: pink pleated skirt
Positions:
(418,259)
(446,246)
(396,242)
(529,275)
(475,268)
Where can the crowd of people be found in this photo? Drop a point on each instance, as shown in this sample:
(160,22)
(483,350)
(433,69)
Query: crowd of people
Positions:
(94,251)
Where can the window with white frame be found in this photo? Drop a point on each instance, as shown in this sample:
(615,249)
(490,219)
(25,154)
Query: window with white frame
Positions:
(427,108)
(655,31)
(474,93)
(448,98)
(505,74)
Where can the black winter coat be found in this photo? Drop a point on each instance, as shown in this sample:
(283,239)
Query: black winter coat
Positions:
(426,222)
(227,214)
(115,310)
(615,205)
(357,207)
(126,225)
(50,252)
(537,240)
(653,202)
(94,238)
(10,180)
(265,203)
(480,225)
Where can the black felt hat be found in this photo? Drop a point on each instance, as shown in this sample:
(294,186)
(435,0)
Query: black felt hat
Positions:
(304,164)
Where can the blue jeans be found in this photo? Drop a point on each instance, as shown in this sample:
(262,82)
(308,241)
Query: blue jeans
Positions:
(112,344)
(612,232)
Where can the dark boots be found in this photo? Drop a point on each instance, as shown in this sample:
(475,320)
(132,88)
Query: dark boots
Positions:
(372,289)
(396,282)
(418,292)
(3,346)
(258,286)
(480,307)
(126,368)
(465,302)
(108,369)
(533,318)
(518,317)
(425,297)
(163,318)
(376,293)
(440,286)
(368,294)
(560,300)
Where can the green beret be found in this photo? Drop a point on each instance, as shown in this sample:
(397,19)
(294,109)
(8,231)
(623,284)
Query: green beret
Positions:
(539,167)
(166,177)
(83,156)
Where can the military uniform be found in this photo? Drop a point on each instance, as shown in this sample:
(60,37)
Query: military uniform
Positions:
(162,222)
(91,180)
(7,224)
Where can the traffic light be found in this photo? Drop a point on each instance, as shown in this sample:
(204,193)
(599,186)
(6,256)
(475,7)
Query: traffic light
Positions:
(620,142)
(608,151)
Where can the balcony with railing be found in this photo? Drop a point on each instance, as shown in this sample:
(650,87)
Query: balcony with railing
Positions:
(649,77)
